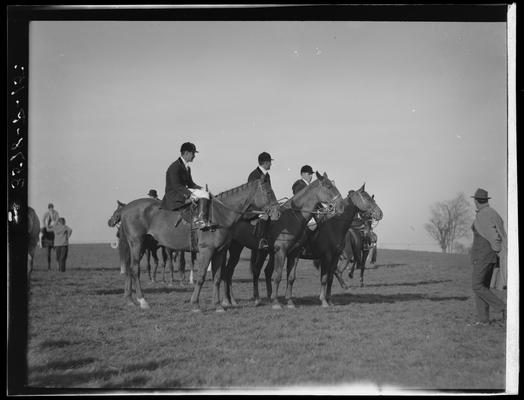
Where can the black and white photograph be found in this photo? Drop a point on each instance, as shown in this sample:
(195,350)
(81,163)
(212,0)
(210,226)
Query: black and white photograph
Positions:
(262,200)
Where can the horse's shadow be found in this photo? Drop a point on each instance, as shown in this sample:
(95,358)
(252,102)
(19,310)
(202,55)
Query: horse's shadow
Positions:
(409,283)
(371,298)
(169,289)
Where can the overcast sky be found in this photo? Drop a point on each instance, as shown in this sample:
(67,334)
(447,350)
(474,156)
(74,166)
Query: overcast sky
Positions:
(416,110)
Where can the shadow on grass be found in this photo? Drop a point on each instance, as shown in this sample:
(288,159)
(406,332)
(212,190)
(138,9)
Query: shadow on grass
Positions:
(411,283)
(68,378)
(347,298)
(146,290)
(62,364)
(50,344)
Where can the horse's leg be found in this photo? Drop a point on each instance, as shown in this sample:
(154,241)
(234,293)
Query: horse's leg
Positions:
(235,249)
(182,267)
(255,263)
(280,257)
(324,266)
(331,270)
(203,261)
(155,259)
(217,263)
(268,273)
(166,256)
(363,267)
(136,254)
(191,272)
(338,273)
(292,263)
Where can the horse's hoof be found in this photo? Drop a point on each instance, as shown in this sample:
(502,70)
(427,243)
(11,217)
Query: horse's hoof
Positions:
(143,304)
(258,302)
(325,304)
(276,306)
(226,304)
(291,305)
(330,304)
(220,309)
(130,303)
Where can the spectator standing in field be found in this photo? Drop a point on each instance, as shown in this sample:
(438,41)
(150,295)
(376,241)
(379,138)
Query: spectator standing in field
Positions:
(49,220)
(489,243)
(62,234)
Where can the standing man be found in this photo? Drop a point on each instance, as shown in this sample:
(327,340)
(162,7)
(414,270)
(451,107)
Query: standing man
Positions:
(62,234)
(306,173)
(153,194)
(49,220)
(264,165)
(489,240)
(181,190)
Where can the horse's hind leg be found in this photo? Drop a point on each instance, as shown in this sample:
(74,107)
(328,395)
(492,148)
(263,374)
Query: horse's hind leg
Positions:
(136,253)
(216,266)
(292,263)
(203,259)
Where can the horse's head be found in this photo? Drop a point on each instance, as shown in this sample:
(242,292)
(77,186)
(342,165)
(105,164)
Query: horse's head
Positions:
(365,203)
(329,194)
(115,218)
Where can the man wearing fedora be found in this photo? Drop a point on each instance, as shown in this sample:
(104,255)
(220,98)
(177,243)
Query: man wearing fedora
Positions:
(181,190)
(153,194)
(306,174)
(264,164)
(489,241)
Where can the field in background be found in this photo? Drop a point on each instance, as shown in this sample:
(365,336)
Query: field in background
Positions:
(407,328)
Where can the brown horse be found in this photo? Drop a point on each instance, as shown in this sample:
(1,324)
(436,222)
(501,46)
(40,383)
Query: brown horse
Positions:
(359,242)
(172,231)
(284,233)
(33,231)
(150,248)
(325,243)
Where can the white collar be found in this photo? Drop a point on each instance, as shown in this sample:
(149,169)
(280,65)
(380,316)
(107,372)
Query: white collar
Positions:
(186,164)
(264,171)
(307,183)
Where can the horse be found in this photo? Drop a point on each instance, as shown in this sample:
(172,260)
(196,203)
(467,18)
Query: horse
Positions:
(357,248)
(284,233)
(170,229)
(33,231)
(324,245)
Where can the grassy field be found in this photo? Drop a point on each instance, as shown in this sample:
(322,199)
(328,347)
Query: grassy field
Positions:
(407,328)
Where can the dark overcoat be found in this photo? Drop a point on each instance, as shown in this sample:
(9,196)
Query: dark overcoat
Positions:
(298,186)
(257,174)
(178,180)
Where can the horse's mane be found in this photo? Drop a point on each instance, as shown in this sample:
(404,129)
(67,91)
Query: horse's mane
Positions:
(237,189)
(289,201)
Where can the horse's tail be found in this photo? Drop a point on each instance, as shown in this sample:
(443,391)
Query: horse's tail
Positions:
(123,250)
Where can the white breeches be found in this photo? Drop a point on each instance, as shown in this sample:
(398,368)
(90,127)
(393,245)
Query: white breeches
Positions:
(199,193)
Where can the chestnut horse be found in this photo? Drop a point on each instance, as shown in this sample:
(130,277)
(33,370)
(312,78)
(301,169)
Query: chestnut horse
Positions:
(172,231)
(326,243)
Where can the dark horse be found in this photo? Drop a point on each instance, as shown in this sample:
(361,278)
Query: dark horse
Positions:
(150,248)
(33,232)
(171,230)
(359,242)
(283,235)
(325,244)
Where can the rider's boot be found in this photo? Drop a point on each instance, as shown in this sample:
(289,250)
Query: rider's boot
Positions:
(202,220)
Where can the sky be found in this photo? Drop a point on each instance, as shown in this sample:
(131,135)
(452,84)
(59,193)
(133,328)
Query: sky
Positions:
(416,110)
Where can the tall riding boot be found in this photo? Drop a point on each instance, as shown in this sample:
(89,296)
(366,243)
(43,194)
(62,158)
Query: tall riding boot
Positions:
(202,220)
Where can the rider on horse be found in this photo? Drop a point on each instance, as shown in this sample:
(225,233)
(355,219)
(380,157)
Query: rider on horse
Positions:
(181,190)
(264,164)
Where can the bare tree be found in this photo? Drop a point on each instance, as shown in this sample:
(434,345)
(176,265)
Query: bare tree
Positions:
(450,220)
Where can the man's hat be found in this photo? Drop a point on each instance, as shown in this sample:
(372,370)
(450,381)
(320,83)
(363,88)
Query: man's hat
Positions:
(50,205)
(306,168)
(263,157)
(152,192)
(481,194)
(188,146)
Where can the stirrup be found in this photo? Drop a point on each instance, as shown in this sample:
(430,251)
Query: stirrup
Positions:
(263,244)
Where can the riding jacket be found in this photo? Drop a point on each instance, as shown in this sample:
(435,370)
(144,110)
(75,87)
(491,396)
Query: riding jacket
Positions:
(298,186)
(257,174)
(178,180)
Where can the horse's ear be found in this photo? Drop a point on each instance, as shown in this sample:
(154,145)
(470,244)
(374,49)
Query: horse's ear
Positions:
(120,204)
(363,187)
(318,175)
(325,175)
(373,197)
